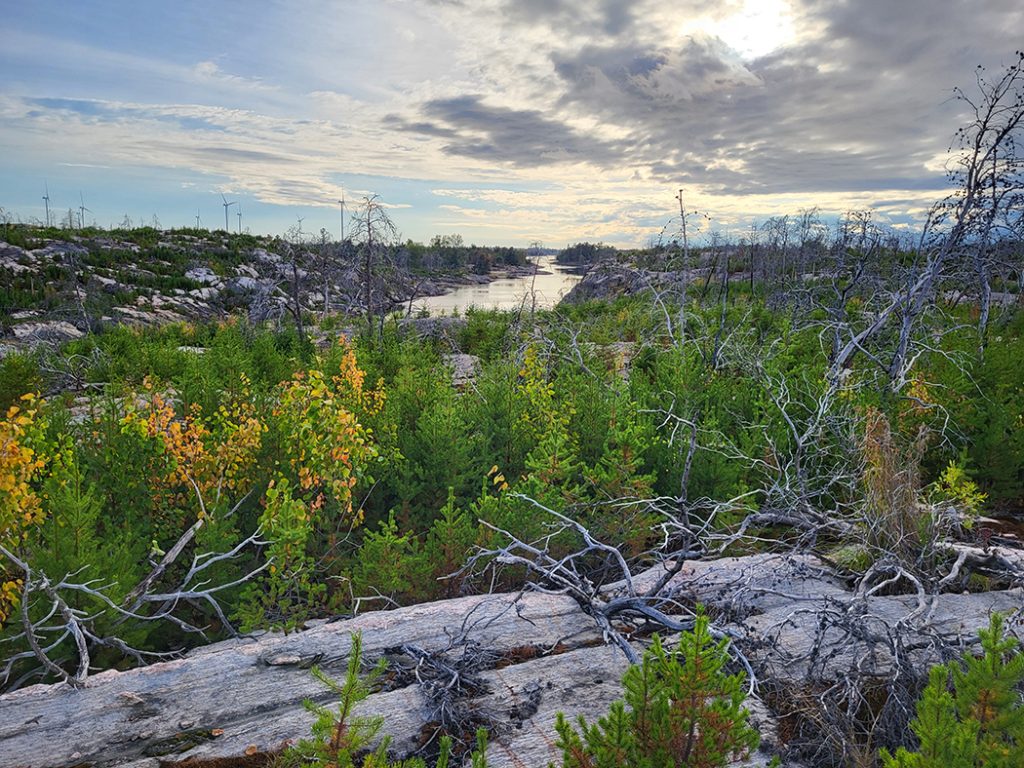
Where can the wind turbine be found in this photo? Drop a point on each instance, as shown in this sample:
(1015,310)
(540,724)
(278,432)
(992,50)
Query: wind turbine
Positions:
(238,213)
(226,205)
(301,219)
(197,218)
(341,208)
(81,211)
(46,199)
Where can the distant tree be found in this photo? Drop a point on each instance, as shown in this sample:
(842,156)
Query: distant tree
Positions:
(326,259)
(373,233)
(447,241)
(583,253)
(295,251)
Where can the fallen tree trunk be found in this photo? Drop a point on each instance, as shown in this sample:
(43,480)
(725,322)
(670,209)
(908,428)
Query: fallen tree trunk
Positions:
(536,654)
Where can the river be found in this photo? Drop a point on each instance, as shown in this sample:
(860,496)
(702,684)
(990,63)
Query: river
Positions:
(547,287)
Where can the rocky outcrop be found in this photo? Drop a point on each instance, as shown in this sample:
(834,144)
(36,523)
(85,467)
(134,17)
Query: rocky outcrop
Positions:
(443,327)
(611,280)
(528,655)
(464,368)
(47,331)
(602,282)
(250,692)
(16,260)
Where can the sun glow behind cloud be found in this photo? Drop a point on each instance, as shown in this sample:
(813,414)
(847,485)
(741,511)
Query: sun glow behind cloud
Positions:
(757,28)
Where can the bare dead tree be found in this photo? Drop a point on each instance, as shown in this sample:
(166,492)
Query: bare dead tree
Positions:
(450,677)
(60,635)
(373,233)
(283,276)
(984,170)
(776,233)
(989,173)
(295,251)
(326,259)
(897,283)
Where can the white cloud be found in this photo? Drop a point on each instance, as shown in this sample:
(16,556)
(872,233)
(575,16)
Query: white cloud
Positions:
(210,72)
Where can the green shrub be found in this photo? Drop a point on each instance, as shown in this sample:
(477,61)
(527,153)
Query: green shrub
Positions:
(684,709)
(19,373)
(980,722)
(389,564)
(341,739)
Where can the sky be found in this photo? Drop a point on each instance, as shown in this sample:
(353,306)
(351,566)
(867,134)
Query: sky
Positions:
(505,121)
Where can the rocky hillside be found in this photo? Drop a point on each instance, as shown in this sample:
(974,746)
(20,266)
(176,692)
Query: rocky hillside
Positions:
(57,285)
(61,289)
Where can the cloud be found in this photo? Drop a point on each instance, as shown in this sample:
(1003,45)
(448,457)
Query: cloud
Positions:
(497,134)
(580,117)
(841,106)
(210,72)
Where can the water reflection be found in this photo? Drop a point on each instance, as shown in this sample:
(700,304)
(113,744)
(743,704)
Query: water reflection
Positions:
(545,288)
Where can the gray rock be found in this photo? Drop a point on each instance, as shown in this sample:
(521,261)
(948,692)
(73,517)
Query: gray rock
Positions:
(206,294)
(261,254)
(465,368)
(204,275)
(253,689)
(52,331)
(55,250)
(547,656)
(15,259)
(433,327)
(610,280)
(243,284)
(246,270)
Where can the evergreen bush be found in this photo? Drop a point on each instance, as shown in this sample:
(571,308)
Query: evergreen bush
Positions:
(979,721)
(341,739)
(681,708)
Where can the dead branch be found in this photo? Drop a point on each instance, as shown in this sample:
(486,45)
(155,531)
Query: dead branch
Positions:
(618,616)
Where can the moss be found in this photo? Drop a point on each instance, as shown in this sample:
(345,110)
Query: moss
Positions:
(852,557)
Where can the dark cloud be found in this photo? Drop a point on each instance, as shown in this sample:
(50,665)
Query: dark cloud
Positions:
(600,19)
(862,103)
(423,127)
(522,137)
(863,106)
(617,79)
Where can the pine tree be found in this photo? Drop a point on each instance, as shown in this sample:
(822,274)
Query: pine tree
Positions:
(449,544)
(619,474)
(342,739)
(388,563)
(980,724)
(684,709)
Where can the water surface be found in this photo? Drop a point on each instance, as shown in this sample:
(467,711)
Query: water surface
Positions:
(507,293)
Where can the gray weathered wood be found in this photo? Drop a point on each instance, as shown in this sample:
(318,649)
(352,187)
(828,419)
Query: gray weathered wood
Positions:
(551,659)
